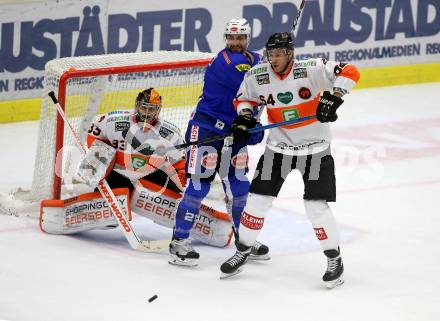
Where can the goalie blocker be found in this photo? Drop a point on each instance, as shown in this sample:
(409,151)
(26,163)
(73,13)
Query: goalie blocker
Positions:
(90,211)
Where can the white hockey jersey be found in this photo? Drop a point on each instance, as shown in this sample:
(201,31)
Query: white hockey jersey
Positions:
(135,145)
(295,95)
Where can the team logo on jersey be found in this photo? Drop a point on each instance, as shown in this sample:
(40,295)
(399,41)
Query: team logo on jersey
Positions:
(121,126)
(307,63)
(137,162)
(304,93)
(243,67)
(299,73)
(118,118)
(285,98)
(165,132)
(256,71)
(219,124)
(289,114)
(263,79)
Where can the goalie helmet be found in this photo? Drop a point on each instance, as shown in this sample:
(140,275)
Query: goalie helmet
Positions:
(148,105)
(238,27)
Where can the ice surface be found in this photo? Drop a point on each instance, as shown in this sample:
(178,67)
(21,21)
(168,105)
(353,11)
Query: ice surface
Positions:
(387,149)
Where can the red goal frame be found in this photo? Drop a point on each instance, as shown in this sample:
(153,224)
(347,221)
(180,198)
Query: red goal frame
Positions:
(67,75)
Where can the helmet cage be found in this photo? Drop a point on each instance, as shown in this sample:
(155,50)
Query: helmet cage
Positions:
(148,105)
(147,111)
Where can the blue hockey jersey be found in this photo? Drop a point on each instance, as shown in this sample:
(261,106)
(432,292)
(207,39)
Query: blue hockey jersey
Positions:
(222,80)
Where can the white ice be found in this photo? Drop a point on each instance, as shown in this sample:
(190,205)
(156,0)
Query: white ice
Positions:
(387,151)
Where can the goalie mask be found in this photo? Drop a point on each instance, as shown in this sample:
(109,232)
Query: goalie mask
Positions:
(237,35)
(148,105)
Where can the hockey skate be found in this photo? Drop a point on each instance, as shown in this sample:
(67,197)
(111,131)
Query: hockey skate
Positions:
(182,253)
(233,265)
(259,251)
(333,277)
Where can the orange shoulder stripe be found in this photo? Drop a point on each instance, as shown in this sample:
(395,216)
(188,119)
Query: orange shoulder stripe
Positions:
(351,72)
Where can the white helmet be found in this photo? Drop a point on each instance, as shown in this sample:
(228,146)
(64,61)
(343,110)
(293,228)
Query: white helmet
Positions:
(238,27)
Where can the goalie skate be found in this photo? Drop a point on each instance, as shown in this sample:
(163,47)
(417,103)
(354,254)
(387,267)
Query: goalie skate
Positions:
(182,253)
(333,276)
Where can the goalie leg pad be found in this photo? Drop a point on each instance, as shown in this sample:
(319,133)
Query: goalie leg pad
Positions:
(160,205)
(81,213)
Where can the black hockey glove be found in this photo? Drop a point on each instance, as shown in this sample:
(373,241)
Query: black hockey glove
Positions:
(328,104)
(241,123)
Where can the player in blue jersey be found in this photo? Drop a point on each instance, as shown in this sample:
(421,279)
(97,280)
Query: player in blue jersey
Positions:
(214,115)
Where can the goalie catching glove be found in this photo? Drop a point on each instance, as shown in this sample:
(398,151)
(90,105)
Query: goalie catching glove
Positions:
(94,166)
(328,104)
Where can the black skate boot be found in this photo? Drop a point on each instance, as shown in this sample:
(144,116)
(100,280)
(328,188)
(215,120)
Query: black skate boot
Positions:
(182,253)
(335,269)
(259,251)
(233,265)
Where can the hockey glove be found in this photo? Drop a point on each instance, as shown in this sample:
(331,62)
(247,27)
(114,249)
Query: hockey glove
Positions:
(256,137)
(328,104)
(241,123)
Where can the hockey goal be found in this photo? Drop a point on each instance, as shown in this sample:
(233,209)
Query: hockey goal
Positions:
(92,85)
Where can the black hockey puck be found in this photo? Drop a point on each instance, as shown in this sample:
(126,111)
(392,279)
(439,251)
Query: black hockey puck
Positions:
(154,297)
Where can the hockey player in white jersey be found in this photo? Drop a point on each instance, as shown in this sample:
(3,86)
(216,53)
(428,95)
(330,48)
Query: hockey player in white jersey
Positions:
(292,89)
(134,151)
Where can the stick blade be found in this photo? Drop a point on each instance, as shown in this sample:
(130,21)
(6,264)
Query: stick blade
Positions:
(154,246)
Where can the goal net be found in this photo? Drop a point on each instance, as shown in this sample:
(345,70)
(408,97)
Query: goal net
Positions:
(92,85)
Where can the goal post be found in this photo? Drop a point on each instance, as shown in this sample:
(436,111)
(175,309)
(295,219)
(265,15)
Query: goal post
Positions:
(93,85)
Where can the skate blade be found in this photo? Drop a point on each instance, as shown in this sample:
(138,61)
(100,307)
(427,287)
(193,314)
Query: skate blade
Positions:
(182,262)
(228,275)
(333,284)
(264,257)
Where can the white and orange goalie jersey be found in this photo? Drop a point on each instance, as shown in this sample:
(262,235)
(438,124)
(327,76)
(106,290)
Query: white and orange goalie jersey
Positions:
(296,95)
(138,146)
(138,154)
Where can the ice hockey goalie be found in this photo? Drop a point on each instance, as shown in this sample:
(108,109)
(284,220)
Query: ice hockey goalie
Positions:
(133,151)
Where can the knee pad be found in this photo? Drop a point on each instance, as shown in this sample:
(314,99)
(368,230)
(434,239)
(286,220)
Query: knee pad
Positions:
(316,209)
(258,204)
(196,190)
(235,187)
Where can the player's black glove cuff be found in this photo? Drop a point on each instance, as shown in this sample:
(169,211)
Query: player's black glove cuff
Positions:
(241,123)
(328,104)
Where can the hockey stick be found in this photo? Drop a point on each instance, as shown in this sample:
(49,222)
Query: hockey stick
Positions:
(250,131)
(298,14)
(107,193)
